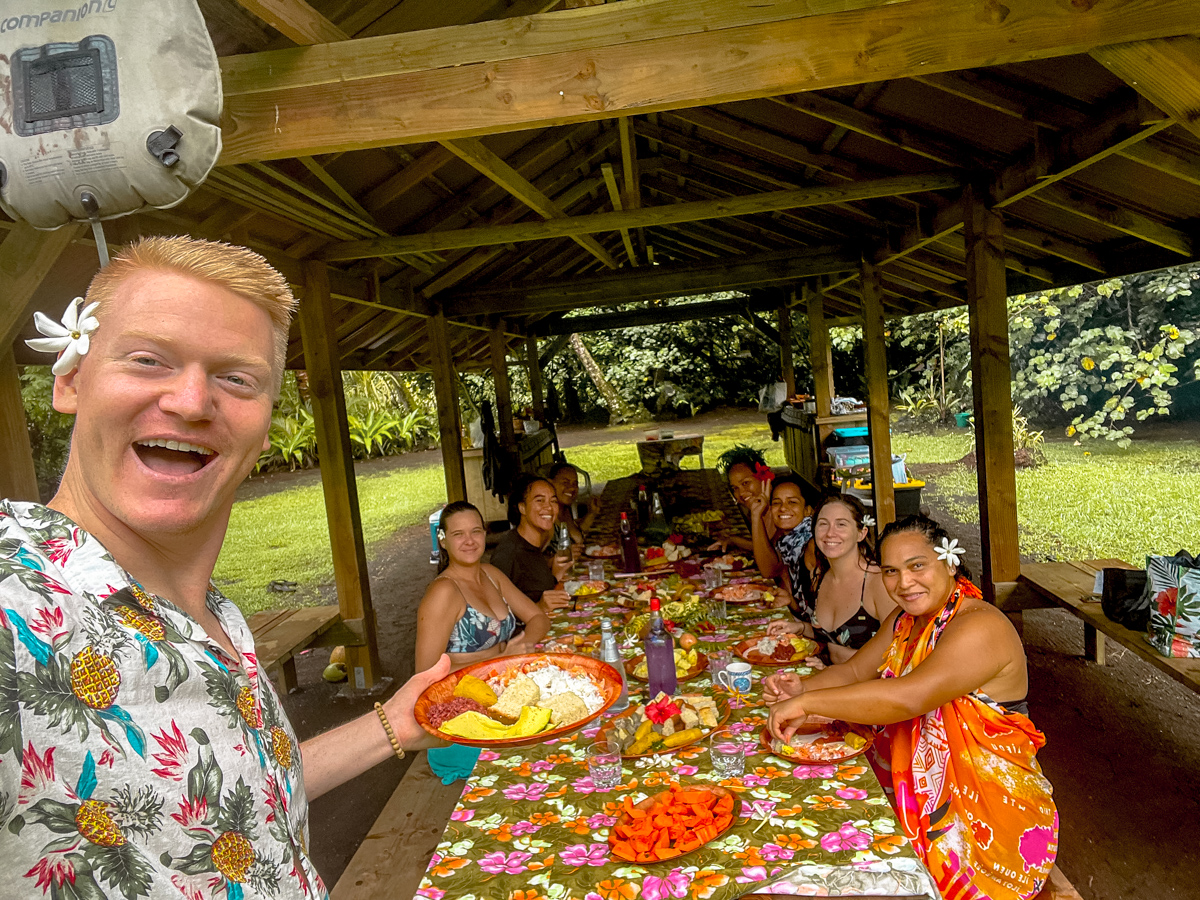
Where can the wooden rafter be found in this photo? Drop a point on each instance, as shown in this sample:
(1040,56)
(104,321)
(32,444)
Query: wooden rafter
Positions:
(474,153)
(664,281)
(296,20)
(614,194)
(647,216)
(1166,72)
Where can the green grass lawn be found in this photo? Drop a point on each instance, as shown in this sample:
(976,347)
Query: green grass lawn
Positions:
(1098,501)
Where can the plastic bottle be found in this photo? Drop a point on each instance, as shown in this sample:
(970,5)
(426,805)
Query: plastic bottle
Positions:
(660,654)
(611,655)
(630,561)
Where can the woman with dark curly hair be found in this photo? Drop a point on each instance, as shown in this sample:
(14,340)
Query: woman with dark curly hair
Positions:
(945,679)
(843,600)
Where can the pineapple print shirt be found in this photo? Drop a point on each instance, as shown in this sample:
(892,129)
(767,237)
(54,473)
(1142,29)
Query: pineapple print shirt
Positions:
(136,758)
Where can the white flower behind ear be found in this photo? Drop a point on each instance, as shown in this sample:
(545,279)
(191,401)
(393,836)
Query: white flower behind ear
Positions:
(868,521)
(950,552)
(70,338)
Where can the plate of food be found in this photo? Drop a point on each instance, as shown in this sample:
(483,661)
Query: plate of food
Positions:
(777,649)
(602,551)
(823,743)
(582,589)
(666,724)
(573,643)
(688,664)
(670,552)
(670,824)
(516,701)
(729,562)
(744,593)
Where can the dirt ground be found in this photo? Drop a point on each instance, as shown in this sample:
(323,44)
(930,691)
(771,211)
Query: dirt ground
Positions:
(1122,751)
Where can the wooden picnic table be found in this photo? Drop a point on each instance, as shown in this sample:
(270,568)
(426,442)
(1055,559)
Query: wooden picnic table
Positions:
(530,823)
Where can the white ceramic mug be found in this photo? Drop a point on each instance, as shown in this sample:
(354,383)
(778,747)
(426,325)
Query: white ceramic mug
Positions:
(736,678)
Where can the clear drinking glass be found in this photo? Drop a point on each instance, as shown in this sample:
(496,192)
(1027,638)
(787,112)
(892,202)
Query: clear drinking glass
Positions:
(596,569)
(717,661)
(727,751)
(604,764)
(712,578)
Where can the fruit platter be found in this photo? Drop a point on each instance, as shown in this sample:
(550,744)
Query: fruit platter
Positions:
(730,562)
(777,649)
(701,522)
(666,724)
(582,589)
(671,551)
(827,742)
(516,701)
(688,664)
(573,643)
(751,592)
(678,615)
(602,551)
(670,824)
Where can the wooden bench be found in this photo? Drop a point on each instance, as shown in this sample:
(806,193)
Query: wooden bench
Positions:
(393,857)
(279,634)
(1069,585)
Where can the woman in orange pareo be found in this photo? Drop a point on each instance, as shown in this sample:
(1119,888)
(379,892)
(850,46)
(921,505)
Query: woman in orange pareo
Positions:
(946,680)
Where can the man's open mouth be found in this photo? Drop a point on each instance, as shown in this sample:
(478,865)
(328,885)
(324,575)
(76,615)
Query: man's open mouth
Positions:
(173,457)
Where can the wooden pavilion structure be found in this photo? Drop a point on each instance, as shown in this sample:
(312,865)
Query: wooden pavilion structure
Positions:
(444,181)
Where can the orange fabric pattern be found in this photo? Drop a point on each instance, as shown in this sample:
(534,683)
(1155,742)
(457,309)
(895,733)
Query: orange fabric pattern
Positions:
(967,787)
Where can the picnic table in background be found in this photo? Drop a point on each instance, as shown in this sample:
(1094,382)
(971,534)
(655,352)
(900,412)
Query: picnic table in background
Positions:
(654,451)
(530,824)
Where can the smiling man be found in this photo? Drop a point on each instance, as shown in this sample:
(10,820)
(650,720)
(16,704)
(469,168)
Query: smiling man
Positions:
(142,752)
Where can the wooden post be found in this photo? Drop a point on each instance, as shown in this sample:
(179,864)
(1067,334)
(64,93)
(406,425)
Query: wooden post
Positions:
(822,352)
(18,480)
(991,376)
(26,256)
(878,405)
(504,409)
(785,348)
(321,360)
(535,379)
(445,389)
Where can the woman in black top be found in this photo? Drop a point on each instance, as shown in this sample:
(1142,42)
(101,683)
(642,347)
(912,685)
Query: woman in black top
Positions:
(845,600)
(524,553)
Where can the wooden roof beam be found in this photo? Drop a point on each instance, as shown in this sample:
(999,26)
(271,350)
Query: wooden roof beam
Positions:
(614,194)
(475,154)
(1118,218)
(591,63)
(295,20)
(630,172)
(1164,158)
(647,216)
(1165,72)
(661,282)
(880,129)
(1047,162)
(684,312)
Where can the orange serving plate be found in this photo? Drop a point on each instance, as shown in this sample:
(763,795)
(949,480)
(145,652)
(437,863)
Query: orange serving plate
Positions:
(814,760)
(606,679)
(745,649)
(654,799)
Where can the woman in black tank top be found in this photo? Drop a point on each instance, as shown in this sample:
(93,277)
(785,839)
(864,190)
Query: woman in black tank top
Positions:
(844,601)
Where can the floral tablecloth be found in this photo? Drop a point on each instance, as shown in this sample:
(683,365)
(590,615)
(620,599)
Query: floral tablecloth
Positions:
(531,825)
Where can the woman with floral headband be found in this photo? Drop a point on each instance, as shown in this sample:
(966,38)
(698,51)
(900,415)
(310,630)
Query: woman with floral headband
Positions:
(749,477)
(945,679)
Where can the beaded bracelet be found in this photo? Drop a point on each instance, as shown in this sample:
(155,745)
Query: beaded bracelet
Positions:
(387,726)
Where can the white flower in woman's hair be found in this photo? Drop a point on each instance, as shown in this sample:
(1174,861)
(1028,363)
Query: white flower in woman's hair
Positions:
(70,338)
(950,552)
(868,521)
